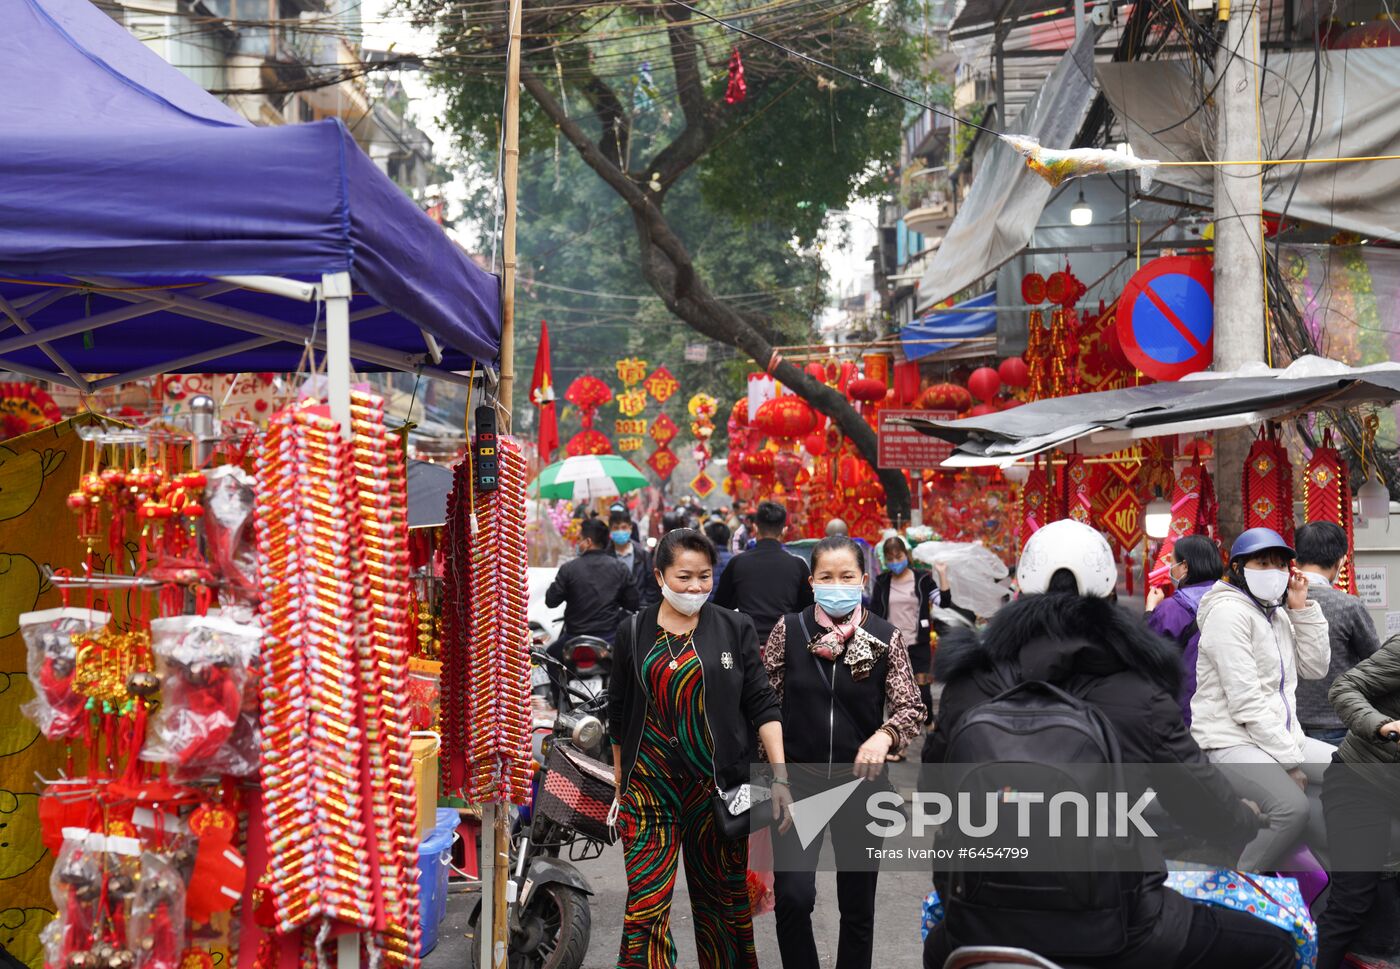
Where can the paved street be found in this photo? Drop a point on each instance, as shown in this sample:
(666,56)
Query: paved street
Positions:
(897,926)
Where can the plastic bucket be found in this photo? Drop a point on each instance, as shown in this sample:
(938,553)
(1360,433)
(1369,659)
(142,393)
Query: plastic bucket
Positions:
(434,861)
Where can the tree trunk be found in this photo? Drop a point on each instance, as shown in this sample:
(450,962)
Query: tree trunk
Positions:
(670,271)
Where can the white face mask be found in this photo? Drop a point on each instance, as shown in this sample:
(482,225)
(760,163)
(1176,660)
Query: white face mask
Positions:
(1267,585)
(686,603)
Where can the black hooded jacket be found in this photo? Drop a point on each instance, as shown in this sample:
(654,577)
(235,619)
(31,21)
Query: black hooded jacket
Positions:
(1109,658)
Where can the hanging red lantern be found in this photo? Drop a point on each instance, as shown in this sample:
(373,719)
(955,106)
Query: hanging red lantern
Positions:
(1033,288)
(815,444)
(787,465)
(739,413)
(817,372)
(759,464)
(982,410)
(906,382)
(1014,372)
(588,441)
(866,390)
(945,397)
(786,417)
(984,382)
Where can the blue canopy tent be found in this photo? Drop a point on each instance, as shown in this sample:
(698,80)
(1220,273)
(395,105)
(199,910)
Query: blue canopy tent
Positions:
(146,228)
(927,334)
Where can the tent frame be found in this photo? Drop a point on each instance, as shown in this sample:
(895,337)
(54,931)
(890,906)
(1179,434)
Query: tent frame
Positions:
(334,289)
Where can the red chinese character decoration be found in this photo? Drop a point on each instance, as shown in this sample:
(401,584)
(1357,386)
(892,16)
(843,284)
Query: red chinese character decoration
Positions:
(663,461)
(661,385)
(1267,485)
(702,484)
(1327,498)
(663,430)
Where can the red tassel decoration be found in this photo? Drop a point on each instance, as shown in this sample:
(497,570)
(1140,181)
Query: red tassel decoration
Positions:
(1327,498)
(1268,486)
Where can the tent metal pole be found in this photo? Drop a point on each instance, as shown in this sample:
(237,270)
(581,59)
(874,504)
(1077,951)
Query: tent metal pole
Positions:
(37,374)
(335,289)
(146,304)
(33,304)
(25,327)
(177,366)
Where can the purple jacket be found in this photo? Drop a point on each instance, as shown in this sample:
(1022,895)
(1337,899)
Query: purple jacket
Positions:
(1173,617)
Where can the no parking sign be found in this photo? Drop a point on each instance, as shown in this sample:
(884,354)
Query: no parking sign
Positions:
(1166,317)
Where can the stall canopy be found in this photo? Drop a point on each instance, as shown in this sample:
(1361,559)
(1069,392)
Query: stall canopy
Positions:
(938,331)
(1114,419)
(140,219)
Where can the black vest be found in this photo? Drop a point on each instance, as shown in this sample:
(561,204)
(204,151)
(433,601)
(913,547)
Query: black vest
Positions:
(827,714)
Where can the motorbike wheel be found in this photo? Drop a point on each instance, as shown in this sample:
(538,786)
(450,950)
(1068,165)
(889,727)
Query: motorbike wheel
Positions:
(555,930)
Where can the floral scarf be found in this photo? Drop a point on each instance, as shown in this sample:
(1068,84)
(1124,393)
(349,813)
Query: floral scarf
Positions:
(847,641)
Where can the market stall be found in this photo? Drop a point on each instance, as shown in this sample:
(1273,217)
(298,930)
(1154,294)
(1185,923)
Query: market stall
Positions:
(229,776)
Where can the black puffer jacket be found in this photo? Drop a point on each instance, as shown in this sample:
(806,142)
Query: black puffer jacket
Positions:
(1106,656)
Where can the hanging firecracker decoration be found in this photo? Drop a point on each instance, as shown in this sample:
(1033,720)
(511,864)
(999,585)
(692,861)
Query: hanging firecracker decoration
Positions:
(663,461)
(1327,498)
(631,371)
(1064,350)
(1037,356)
(588,393)
(663,430)
(1267,485)
(738,88)
(661,385)
(1076,496)
(590,441)
(1037,501)
(630,403)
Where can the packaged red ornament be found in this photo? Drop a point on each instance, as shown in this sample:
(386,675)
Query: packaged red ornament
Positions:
(57,708)
(230,535)
(204,663)
(156,929)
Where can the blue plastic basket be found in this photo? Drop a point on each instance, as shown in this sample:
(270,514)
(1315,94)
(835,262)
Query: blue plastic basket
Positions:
(434,863)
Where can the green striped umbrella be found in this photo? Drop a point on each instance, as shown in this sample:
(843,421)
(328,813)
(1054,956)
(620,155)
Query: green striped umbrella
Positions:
(588,476)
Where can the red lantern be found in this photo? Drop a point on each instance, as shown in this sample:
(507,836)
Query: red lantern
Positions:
(759,465)
(984,383)
(845,376)
(739,413)
(815,443)
(1033,288)
(906,382)
(817,372)
(945,397)
(866,390)
(1014,372)
(787,465)
(982,410)
(588,441)
(786,417)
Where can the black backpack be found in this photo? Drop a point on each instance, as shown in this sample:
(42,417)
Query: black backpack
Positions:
(1080,910)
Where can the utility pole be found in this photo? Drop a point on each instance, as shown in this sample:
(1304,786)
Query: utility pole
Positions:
(1239,238)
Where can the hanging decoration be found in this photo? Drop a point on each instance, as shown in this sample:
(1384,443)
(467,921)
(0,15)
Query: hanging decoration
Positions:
(588,393)
(786,418)
(1268,485)
(877,366)
(663,461)
(1194,512)
(25,408)
(738,88)
(702,408)
(946,396)
(702,484)
(906,382)
(1076,496)
(1037,355)
(984,383)
(762,388)
(1013,372)
(1327,498)
(629,434)
(1121,519)
(1056,165)
(634,427)
(590,441)
(631,371)
(627,445)
(663,430)
(661,385)
(631,403)
(1037,501)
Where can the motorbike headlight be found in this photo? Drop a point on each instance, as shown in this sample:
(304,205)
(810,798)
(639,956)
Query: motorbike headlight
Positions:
(588,732)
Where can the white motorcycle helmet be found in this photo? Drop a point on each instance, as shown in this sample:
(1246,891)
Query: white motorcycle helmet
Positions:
(1072,545)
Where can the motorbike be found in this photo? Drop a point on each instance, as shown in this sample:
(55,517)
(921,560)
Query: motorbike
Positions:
(548,912)
(589,663)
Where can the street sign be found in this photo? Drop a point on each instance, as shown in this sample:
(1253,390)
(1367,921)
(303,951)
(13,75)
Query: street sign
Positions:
(904,448)
(1166,317)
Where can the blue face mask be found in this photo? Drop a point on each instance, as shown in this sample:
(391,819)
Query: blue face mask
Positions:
(898,566)
(622,536)
(837,600)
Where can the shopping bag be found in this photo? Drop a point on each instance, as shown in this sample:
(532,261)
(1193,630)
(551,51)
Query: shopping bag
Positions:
(932,913)
(760,875)
(1278,901)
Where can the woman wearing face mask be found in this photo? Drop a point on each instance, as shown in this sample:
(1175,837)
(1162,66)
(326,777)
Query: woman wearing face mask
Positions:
(836,668)
(1259,633)
(904,597)
(688,694)
(1195,568)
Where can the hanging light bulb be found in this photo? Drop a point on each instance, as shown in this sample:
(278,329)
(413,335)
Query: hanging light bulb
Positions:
(1157,517)
(1373,500)
(1081,214)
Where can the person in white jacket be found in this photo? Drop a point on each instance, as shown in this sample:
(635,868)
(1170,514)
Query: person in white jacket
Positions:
(1259,633)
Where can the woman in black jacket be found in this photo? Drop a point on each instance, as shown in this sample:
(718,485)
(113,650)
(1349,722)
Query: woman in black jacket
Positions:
(904,598)
(836,668)
(688,694)
(1065,630)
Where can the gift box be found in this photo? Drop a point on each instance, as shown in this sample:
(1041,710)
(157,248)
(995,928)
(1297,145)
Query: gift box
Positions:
(1277,901)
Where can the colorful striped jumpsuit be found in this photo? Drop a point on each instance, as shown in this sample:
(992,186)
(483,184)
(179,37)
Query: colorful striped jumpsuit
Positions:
(666,812)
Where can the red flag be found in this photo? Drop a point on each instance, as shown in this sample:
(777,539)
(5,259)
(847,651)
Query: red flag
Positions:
(542,396)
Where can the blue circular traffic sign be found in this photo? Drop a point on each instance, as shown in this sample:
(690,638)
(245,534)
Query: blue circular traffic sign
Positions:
(1166,317)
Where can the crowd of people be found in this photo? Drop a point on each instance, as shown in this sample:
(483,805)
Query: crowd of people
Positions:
(733,650)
